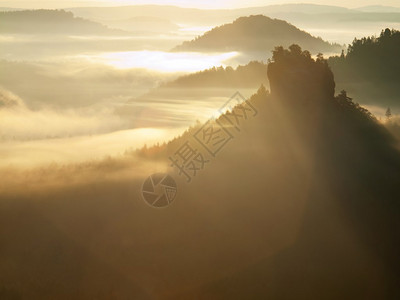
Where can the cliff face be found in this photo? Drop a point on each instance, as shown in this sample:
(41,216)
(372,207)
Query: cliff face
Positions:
(294,74)
(303,90)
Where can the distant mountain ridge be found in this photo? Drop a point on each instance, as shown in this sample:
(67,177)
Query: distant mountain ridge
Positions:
(46,21)
(317,18)
(183,13)
(142,24)
(379,8)
(256,33)
(290,12)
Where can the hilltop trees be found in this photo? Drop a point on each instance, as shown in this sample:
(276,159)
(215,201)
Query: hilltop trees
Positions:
(294,72)
(371,68)
(377,56)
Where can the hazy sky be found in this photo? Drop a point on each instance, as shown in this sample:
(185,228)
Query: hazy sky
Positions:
(188,3)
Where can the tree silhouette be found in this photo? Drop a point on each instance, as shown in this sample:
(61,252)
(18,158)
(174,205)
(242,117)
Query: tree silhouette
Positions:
(294,72)
(388,114)
(373,64)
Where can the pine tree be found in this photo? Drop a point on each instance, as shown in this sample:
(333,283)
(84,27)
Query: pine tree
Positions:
(388,113)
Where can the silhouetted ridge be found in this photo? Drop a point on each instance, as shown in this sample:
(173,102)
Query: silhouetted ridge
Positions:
(255,33)
(250,75)
(47,21)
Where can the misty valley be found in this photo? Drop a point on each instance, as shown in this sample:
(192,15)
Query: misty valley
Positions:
(165,152)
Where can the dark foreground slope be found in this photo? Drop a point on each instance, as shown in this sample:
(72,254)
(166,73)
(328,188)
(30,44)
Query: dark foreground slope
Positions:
(344,166)
(301,204)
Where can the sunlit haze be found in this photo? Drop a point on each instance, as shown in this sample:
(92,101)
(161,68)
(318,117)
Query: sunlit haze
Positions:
(199,149)
(190,3)
(161,61)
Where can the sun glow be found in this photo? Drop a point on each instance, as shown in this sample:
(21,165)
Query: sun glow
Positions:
(162,61)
